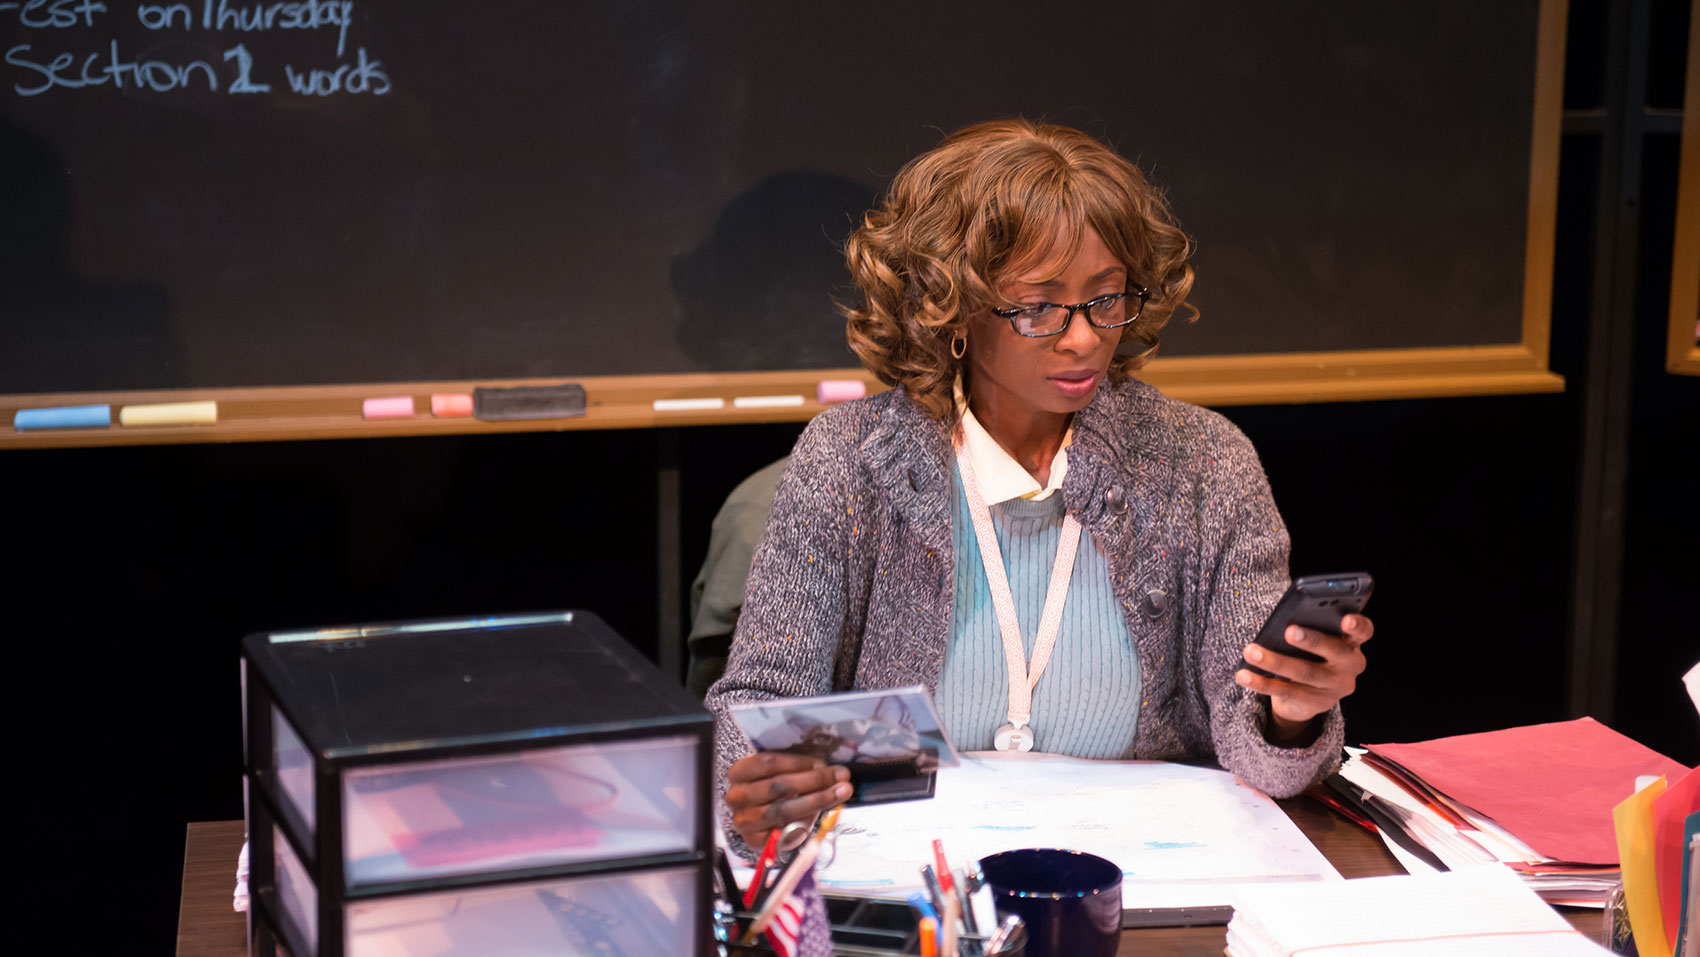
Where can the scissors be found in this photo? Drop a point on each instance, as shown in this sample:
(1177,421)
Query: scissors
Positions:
(794,835)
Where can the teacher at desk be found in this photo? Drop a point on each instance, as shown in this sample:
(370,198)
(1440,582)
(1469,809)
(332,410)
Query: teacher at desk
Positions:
(1071,561)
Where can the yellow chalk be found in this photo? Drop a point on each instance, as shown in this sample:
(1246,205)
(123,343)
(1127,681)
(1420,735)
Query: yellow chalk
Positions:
(169,413)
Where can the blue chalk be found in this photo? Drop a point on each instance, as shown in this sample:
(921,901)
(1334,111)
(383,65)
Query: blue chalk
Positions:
(65,417)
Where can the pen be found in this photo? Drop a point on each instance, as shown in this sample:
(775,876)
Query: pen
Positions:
(931,882)
(969,924)
(762,864)
(972,882)
(723,873)
(952,906)
(929,937)
(943,903)
(945,883)
(919,901)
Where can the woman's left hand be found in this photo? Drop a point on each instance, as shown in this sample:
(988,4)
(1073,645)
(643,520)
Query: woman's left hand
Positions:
(1304,689)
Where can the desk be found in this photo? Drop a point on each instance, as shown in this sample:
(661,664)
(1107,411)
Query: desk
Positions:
(207,927)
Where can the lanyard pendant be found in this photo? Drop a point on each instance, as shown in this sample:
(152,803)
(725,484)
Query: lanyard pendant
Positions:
(1013,737)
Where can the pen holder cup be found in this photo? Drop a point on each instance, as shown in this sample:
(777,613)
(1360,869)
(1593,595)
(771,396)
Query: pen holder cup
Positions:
(1615,924)
(1070,901)
(867,927)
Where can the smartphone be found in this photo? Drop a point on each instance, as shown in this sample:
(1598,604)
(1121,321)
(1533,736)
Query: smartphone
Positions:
(1317,602)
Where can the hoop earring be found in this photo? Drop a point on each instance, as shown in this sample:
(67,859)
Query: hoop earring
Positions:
(959,347)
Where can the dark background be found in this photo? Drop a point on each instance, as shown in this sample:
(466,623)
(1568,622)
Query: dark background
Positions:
(135,571)
(660,187)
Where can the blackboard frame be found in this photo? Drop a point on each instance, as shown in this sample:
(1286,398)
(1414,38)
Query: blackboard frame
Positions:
(1682,352)
(621,402)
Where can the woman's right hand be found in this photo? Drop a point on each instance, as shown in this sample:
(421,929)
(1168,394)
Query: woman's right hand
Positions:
(770,789)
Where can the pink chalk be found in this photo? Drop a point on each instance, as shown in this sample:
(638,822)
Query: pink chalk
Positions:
(840,390)
(448,403)
(392,407)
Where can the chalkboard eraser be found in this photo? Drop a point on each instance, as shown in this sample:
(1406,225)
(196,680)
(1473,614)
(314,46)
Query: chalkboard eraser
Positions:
(840,390)
(563,401)
(169,413)
(63,417)
(388,407)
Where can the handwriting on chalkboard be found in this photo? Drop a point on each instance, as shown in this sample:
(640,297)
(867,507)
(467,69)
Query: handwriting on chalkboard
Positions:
(35,68)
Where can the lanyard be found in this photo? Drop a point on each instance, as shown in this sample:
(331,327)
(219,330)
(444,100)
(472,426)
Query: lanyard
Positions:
(1017,735)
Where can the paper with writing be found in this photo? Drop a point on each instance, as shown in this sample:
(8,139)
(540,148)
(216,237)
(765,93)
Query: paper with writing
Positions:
(1183,836)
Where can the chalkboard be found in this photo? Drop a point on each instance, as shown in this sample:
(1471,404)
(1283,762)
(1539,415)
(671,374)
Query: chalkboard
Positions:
(228,193)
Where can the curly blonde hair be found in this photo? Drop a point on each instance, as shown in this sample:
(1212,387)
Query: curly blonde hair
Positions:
(962,219)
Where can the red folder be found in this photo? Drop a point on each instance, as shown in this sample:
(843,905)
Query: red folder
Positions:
(1553,785)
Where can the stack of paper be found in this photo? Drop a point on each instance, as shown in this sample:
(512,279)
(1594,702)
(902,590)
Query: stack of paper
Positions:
(1480,912)
(1536,799)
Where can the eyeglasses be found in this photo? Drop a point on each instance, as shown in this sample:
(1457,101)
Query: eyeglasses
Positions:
(1041,319)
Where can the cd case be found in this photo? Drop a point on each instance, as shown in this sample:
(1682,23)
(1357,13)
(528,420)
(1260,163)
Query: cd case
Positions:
(890,740)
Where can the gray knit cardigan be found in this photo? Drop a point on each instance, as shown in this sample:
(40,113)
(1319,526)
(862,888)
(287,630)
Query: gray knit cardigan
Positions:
(851,587)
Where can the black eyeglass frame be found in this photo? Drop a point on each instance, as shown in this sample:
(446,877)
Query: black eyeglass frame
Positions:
(1014,313)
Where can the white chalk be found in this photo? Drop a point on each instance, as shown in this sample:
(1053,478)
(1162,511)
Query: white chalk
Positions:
(766,401)
(689,405)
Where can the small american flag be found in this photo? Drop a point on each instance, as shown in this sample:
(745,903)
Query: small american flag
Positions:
(799,928)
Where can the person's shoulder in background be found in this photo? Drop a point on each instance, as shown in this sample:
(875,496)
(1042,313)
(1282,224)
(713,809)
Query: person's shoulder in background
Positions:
(717,594)
(837,434)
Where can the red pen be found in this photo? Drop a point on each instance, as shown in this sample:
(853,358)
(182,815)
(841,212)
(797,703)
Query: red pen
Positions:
(951,916)
(762,864)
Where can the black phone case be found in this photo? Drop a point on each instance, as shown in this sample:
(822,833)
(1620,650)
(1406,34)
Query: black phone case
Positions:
(1317,602)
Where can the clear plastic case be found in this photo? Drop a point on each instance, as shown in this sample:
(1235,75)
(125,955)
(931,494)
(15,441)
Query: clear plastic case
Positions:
(295,890)
(294,769)
(507,784)
(603,801)
(650,913)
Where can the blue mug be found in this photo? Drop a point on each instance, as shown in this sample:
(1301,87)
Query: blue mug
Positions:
(1070,901)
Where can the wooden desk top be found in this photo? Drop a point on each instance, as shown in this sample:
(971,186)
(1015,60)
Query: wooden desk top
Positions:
(206,924)
(207,927)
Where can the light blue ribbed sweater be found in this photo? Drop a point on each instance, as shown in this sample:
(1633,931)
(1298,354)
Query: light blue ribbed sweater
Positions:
(1087,701)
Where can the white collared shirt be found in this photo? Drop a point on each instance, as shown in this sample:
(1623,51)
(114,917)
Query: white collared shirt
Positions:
(1000,476)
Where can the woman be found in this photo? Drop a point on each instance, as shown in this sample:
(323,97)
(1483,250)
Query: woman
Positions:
(1018,508)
